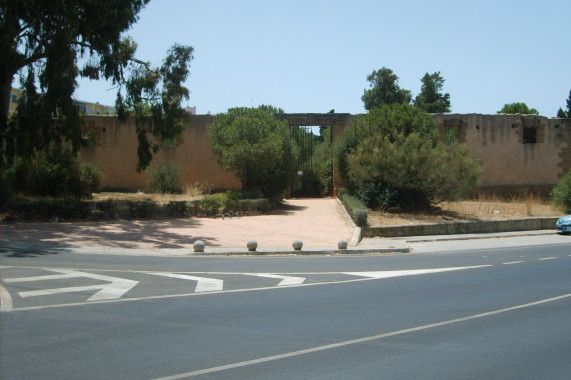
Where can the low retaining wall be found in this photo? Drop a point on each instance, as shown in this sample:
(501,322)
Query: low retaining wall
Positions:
(530,224)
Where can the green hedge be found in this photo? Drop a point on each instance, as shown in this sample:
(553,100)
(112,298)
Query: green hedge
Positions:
(73,209)
(355,208)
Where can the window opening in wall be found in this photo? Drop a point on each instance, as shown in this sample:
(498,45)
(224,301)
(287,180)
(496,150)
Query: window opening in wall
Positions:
(529,135)
(450,135)
(14,98)
(169,141)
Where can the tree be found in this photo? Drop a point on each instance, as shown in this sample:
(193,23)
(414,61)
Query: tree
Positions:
(431,98)
(43,41)
(384,89)
(564,114)
(393,157)
(256,147)
(521,108)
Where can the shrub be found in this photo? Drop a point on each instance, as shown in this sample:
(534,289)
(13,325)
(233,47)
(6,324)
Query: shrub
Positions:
(52,172)
(90,177)
(355,208)
(48,209)
(393,157)
(561,193)
(176,209)
(164,178)
(142,210)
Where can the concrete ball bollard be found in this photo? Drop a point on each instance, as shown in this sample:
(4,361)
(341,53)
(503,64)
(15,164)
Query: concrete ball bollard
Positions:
(198,246)
(297,245)
(342,244)
(252,245)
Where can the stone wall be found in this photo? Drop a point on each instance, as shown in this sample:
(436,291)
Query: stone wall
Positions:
(525,151)
(115,150)
(518,151)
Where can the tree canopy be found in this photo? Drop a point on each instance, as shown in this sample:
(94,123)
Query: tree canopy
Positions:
(566,114)
(45,42)
(431,98)
(521,108)
(393,157)
(256,147)
(384,89)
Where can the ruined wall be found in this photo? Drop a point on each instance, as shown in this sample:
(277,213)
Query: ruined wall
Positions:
(115,149)
(518,151)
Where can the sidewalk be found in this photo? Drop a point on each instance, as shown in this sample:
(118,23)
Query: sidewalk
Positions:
(319,223)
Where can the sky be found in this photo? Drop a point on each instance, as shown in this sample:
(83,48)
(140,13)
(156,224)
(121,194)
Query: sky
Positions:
(315,55)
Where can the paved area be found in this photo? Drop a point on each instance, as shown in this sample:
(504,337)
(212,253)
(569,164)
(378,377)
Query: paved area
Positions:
(319,223)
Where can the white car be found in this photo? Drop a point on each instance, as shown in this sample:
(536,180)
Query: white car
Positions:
(563,225)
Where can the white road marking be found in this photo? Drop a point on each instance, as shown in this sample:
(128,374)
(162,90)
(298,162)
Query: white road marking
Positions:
(357,341)
(203,284)
(42,278)
(115,289)
(5,300)
(286,280)
(547,258)
(412,272)
(513,262)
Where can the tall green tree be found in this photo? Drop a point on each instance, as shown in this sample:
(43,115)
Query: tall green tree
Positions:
(521,108)
(566,114)
(393,157)
(256,147)
(431,99)
(384,89)
(44,42)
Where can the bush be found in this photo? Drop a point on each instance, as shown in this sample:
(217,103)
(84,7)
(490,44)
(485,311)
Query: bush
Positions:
(164,178)
(54,172)
(90,177)
(176,209)
(49,209)
(393,158)
(355,208)
(561,194)
(142,210)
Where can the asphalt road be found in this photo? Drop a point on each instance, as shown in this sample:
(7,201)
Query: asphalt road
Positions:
(499,312)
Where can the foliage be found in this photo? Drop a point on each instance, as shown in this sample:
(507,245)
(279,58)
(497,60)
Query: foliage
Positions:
(256,147)
(44,41)
(52,172)
(90,176)
(565,114)
(561,194)
(355,208)
(393,157)
(164,178)
(384,89)
(521,108)
(431,98)
(48,209)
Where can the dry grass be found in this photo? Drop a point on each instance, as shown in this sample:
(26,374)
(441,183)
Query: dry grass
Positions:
(191,192)
(483,208)
(145,197)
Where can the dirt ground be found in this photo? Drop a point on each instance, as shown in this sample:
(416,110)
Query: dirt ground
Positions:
(472,210)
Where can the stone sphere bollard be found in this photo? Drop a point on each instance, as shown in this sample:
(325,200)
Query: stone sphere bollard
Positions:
(342,244)
(252,245)
(198,246)
(297,245)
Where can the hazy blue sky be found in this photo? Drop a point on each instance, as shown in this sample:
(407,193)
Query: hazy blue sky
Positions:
(313,56)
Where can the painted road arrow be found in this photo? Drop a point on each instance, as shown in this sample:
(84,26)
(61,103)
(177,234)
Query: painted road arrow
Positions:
(113,290)
(412,272)
(203,284)
(286,280)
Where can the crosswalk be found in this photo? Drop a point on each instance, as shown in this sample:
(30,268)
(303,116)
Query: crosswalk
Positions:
(23,288)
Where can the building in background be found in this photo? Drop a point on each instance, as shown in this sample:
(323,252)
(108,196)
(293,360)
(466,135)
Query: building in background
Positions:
(86,108)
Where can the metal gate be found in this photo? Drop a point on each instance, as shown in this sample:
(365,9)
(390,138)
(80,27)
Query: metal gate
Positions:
(306,183)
